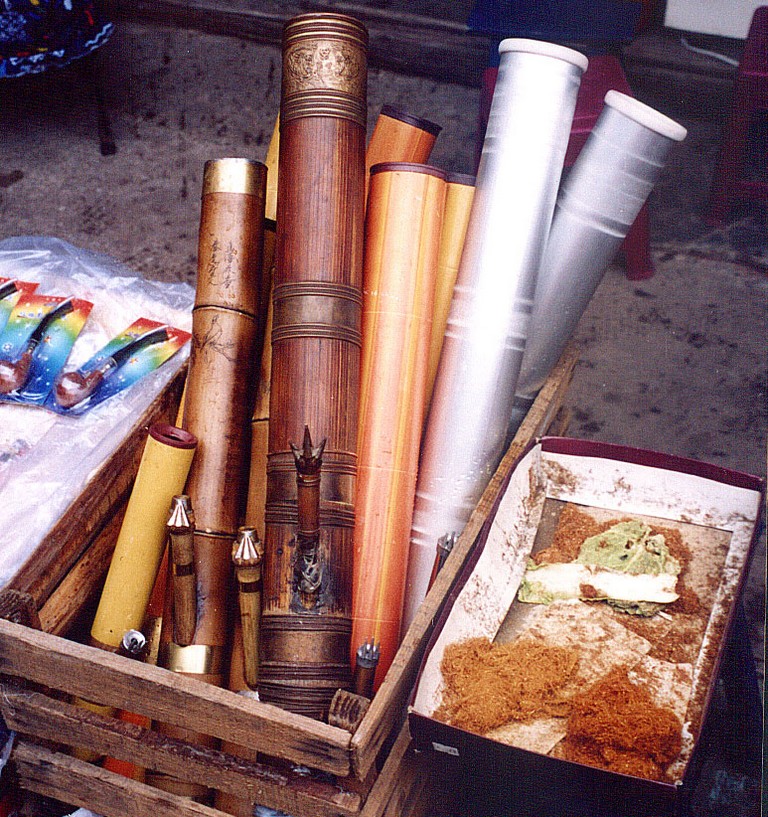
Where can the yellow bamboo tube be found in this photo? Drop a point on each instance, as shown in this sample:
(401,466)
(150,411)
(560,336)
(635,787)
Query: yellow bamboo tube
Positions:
(257,476)
(271,162)
(141,542)
(459,192)
(402,239)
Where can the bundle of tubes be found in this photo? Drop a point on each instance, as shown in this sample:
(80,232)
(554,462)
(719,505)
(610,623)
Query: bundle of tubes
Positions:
(368,332)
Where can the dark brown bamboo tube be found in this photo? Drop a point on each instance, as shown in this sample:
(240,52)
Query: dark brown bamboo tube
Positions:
(315,353)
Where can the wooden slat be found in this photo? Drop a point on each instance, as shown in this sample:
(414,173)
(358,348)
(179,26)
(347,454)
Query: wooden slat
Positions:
(109,485)
(19,607)
(392,776)
(390,700)
(302,796)
(412,44)
(93,674)
(80,784)
(81,585)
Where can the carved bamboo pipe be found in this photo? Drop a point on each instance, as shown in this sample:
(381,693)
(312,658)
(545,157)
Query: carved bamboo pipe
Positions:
(247,557)
(181,539)
(226,343)
(315,353)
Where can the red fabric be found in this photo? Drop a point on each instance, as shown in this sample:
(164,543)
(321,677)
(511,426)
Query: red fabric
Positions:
(750,96)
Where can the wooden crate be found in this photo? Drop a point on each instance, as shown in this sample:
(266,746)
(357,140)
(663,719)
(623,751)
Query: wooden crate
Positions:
(371,772)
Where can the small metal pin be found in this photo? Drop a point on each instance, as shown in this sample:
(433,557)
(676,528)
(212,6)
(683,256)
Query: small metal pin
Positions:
(444,547)
(133,643)
(366,661)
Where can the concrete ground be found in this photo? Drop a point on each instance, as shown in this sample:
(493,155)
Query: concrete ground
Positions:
(675,363)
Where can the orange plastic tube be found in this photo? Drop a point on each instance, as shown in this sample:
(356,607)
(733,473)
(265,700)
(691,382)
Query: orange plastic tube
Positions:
(402,240)
(459,193)
(399,137)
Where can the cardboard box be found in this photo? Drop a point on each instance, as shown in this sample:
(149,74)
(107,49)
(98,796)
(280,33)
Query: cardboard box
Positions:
(716,512)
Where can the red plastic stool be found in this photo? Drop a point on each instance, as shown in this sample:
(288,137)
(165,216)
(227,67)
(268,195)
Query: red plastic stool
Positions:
(603,74)
(750,96)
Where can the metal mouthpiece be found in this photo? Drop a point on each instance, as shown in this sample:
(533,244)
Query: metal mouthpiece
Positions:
(248,549)
(367,655)
(180,515)
(133,642)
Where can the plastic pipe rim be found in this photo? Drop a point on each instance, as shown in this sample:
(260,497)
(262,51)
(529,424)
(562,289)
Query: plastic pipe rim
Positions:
(645,115)
(545,49)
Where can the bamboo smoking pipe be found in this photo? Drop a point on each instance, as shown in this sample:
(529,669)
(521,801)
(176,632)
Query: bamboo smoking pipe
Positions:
(247,556)
(181,536)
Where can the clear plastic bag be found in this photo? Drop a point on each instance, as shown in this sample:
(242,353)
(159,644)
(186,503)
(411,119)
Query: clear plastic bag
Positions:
(46,459)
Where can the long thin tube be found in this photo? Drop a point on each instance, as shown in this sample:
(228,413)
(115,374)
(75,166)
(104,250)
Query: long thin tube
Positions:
(315,378)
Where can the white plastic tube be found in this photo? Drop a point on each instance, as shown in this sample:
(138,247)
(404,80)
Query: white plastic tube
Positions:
(517,180)
(598,203)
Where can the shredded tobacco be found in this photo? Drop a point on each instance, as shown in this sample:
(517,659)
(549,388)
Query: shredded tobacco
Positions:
(573,527)
(487,685)
(616,725)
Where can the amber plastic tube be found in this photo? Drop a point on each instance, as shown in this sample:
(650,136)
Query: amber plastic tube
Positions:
(317,299)
(399,136)
(403,228)
(459,193)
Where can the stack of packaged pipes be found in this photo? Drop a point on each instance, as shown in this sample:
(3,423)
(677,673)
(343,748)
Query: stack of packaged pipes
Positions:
(368,332)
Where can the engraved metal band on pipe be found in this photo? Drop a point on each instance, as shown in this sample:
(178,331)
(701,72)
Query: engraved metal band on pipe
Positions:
(324,68)
(317,309)
(307,639)
(317,105)
(195,659)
